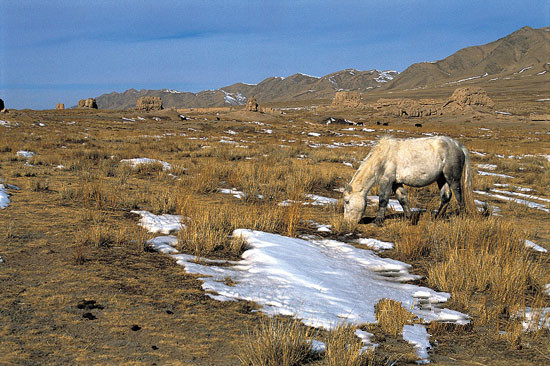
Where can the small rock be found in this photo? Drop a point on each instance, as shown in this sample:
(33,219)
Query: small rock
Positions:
(89,305)
(89,316)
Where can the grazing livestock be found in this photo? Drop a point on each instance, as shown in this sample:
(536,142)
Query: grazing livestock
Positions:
(393,163)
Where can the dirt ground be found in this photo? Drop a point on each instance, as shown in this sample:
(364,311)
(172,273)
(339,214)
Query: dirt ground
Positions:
(147,310)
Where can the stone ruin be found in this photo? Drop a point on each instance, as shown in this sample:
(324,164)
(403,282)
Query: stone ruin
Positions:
(60,106)
(346,99)
(405,107)
(89,103)
(149,103)
(462,100)
(252,105)
(2,107)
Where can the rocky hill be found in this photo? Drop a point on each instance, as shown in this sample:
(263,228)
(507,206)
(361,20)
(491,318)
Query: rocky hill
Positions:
(525,49)
(295,87)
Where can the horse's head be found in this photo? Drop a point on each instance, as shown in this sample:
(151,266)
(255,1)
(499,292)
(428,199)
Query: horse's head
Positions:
(354,204)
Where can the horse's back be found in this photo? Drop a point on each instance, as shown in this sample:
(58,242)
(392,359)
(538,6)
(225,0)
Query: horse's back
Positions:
(419,162)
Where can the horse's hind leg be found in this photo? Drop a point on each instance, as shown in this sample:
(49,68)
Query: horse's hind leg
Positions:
(455,185)
(445,194)
(403,199)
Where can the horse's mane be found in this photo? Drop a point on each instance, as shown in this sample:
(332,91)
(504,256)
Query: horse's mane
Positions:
(375,158)
(379,146)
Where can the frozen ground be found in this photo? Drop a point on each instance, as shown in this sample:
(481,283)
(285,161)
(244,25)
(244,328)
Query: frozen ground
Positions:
(322,282)
(4,197)
(531,204)
(139,161)
(164,224)
(25,154)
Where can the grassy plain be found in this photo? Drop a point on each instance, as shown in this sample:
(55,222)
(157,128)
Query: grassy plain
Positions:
(68,234)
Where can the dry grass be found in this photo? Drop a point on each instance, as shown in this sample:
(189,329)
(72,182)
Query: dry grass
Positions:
(475,259)
(481,261)
(344,348)
(277,342)
(392,316)
(209,226)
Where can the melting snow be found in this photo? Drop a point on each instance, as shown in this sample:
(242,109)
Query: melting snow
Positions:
(535,247)
(164,224)
(320,281)
(487,166)
(417,335)
(25,154)
(535,318)
(505,113)
(392,204)
(4,197)
(521,195)
(366,337)
(375,244)
(320,200)
(138,161)
(480,172)
(530,204)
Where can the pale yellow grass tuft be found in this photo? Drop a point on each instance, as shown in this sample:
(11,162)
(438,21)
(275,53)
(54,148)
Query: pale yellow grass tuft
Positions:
(277,342)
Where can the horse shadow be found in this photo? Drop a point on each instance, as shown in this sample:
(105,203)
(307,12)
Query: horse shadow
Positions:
(413,220)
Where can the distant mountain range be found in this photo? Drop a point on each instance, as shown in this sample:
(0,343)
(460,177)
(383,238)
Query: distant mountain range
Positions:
(525,49)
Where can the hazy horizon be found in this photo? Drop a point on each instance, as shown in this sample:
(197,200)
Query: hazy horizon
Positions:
(62,51)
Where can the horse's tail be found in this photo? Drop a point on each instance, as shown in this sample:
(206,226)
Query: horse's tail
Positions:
(466,184)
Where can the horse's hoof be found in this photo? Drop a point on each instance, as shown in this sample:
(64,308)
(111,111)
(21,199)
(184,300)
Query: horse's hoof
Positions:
(379,221)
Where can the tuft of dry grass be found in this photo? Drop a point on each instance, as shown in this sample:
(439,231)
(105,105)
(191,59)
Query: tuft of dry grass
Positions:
(482,262)
(38,185)
(344,348)
(277,342)
(392,316)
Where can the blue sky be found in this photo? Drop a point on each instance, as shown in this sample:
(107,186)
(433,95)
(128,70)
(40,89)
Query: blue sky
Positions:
(62,51)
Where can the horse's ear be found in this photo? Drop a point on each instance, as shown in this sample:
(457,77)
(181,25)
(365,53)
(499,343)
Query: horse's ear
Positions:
(347,189)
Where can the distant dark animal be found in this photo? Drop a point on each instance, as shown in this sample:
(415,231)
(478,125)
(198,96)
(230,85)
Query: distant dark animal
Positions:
(418,125)
(385,124)
(378,123)
(393,163)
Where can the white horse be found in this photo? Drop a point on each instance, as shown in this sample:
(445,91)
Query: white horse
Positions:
(393,163)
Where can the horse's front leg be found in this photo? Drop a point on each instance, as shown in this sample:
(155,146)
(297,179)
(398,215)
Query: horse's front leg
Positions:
(403,199)
(385,189)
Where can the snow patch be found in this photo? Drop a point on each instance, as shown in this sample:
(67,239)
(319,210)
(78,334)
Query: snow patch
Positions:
(322,282)
(535,247)
(417,335)
(139,161)
(4,197)
(375,244)
(164,224)
(480,172)
(25,154)
(234,98)
(520,201)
